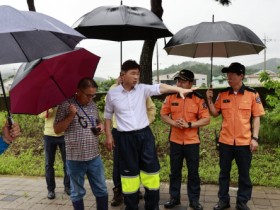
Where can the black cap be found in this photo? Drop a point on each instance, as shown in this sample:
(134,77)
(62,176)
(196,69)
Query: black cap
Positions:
(185,75)
(234,68)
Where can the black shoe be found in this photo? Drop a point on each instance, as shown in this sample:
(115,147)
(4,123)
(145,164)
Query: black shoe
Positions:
(67,190)
(51,195)
(221,205)
(196,205)
(242,206)
(170,204)
(140,195)
(118,197)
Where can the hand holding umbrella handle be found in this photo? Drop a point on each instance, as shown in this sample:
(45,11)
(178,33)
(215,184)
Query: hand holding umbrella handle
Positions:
(209,95)
(10,121)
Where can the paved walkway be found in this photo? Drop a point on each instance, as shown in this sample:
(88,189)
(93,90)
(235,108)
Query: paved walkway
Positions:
(30,193)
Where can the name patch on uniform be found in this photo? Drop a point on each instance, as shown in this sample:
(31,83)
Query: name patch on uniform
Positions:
(226,101)
(174,104)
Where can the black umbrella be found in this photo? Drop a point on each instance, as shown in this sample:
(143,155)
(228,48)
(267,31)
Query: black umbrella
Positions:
(121,23)
(214,39)
(26,36)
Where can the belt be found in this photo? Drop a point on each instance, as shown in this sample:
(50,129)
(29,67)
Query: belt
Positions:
(134,131)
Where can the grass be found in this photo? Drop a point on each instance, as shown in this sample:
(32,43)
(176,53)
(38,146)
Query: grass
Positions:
(25,157)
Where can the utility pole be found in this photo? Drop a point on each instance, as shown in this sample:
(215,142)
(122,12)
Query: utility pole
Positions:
(264,52)
(157,66)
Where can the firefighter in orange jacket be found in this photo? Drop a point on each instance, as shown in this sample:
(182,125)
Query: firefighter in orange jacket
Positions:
(239,106)
(184,116)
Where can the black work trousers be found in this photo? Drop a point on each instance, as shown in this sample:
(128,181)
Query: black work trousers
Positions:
(243,158)
(51,143)
(190,153)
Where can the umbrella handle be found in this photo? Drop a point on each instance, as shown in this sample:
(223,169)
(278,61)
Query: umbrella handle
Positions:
(9,118)
(82,122)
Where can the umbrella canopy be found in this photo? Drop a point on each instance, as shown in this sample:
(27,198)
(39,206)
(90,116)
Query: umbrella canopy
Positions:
(44,83)
(121,23)
(214,39)
(26,36)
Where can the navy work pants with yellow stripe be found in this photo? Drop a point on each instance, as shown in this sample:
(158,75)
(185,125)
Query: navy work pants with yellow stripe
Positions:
(138,162)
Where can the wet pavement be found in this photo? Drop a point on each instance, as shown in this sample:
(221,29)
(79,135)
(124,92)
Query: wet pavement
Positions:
(30,193)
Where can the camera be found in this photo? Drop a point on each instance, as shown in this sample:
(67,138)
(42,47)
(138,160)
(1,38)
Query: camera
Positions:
(95,131)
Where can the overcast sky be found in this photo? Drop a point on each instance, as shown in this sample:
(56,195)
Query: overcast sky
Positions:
(258,15)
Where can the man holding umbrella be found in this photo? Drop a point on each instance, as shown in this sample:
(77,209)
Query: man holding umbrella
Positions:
(78,118)
(241,108)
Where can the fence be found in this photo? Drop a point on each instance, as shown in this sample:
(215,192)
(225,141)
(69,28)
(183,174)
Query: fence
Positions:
(263,92)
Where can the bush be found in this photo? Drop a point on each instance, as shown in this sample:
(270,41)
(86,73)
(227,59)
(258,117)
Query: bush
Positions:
(270,125)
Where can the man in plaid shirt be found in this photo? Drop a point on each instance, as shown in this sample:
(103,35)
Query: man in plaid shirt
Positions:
(78,118)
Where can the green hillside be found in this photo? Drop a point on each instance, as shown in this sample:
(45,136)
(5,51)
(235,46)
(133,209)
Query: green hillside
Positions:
(202,68)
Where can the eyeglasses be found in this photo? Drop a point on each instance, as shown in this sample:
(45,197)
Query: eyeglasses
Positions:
(88,95)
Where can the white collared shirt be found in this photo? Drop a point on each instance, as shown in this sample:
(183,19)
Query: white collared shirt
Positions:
(129,107)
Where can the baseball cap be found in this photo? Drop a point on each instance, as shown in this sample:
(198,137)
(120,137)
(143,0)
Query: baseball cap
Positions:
(185,75)
(234,68)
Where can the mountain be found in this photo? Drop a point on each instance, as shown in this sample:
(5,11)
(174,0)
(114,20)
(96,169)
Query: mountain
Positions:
(202,68)
(271,64)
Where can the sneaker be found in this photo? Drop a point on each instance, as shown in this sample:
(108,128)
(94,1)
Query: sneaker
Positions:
(51,195)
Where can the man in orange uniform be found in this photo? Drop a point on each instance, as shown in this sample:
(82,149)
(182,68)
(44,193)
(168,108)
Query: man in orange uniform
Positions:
(240,106)
(184,116)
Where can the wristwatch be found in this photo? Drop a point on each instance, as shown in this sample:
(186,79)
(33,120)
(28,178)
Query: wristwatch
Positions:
(190,124)
(255,138)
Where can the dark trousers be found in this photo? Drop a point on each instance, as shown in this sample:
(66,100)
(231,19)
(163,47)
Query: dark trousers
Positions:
(137,152)
(116,167)
(178,153)
(50,145)
(243,158)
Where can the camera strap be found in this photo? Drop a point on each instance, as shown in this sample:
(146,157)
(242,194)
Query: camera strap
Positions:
(91,119)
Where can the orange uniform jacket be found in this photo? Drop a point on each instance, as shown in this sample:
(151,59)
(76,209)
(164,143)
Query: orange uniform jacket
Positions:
(237,110)
(192,108)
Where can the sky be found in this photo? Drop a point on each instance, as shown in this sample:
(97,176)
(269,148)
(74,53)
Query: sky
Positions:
(261,16)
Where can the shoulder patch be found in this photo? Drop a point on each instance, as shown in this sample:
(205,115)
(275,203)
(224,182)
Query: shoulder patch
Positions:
(258,100)
(250,89)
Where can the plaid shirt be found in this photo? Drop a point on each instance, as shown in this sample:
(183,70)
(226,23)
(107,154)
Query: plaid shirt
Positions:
(80,143)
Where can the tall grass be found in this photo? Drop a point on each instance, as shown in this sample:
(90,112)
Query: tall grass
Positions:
(26,155)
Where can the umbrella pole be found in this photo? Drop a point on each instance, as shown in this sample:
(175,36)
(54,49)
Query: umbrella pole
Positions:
(10,119)
(57,85)
(121,54)
(211,68)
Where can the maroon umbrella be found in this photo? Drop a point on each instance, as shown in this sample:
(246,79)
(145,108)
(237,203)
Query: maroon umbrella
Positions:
(45,83)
